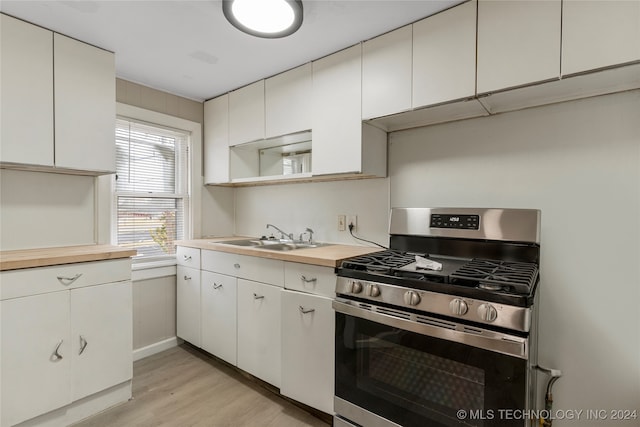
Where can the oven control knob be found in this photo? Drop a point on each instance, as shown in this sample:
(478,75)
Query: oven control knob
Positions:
(487,312)
(356,287)
(373,290)
(411,298)
(458,307)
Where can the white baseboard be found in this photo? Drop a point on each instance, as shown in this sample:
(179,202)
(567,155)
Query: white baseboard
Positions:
(141,353)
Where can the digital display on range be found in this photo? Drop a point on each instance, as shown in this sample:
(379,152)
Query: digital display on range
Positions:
(463,222)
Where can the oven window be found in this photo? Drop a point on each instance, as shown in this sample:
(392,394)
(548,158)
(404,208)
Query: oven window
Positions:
(417,380)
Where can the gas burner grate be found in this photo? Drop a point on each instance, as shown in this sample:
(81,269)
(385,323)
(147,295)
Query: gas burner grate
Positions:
(379,262)
(517,277)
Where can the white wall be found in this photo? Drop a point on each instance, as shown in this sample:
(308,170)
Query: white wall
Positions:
(45,210)
(578,162)
(294,207)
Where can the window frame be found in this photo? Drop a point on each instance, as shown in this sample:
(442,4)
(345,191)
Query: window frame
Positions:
(107,228)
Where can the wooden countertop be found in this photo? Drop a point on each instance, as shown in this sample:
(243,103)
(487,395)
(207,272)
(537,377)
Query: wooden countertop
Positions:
(328,256)
(41,257)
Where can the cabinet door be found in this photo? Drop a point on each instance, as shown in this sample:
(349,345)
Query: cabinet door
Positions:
(308,328)
(216,140)
(218,311)
(259,334)
(101,337)
(188,304)
(598,34)
(26,83)
(386,74)
(444,56)
(518,43)
(287,108)
(337,112)
(35,379)
(85,106)
(246,114)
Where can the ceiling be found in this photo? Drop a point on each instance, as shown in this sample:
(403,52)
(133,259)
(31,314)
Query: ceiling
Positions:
(187,48)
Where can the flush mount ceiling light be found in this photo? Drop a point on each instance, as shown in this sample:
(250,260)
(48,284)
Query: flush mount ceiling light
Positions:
(264,18)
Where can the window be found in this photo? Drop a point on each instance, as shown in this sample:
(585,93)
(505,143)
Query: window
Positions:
(152,187)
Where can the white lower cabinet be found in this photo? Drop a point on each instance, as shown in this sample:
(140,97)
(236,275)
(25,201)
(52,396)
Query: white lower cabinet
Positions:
(36,356)
(59,347)
(101,359)
(241,313)
(259,333)
(219,315)
(188,304)
(308,327)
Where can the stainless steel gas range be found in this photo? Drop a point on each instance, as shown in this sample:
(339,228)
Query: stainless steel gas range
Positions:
(440,330)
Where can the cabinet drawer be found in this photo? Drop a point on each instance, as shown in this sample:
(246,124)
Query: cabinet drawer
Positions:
(310,278)
(189,257)
(245,267)
(33,281)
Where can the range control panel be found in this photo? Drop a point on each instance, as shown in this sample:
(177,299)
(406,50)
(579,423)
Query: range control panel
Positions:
(464,222)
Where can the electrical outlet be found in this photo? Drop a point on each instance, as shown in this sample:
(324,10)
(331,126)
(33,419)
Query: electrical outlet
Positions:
(353,220)
(342,222)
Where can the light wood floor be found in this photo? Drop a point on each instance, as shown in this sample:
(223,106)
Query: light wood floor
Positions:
(184,387)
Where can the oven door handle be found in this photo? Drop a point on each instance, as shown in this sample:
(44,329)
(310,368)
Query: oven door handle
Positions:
(481,338)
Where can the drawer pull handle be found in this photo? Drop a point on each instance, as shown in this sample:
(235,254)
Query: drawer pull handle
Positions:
(216,286)
(187,277)
(236,265)
(256,296)
(68,280)
(187,257)
(305,280)
(55,356)
(83,345)
(303,311)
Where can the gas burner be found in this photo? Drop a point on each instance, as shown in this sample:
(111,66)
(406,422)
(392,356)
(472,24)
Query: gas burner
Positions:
(383,262)
(498,275)
(490,286)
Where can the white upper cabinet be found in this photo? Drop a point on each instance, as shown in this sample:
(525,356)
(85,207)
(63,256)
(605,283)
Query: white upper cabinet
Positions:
(598,34)
(85,109)
(518,43)
(386,73)
(216,140)
(444,56)
(26,84)
(58,102)
(341,142)
(287,108)
(247,114)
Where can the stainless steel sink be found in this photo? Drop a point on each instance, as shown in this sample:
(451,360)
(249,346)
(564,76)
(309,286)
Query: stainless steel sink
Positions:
(274,245)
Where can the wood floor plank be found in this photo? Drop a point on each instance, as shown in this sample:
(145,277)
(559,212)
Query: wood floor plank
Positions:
(184,387)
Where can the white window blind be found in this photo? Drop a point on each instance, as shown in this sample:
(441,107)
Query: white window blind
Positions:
(152,187)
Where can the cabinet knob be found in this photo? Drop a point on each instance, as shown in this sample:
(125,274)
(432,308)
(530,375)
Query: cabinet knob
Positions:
(236,265)
(256,296)
(305,311)
(187,277)
(216,286)
(310,280)
(55,356)
(187,257)
(68,280)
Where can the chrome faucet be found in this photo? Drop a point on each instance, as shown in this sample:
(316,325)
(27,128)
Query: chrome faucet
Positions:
(282,233)
(307,231)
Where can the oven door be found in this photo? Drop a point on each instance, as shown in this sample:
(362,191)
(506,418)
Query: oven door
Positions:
(396,368)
